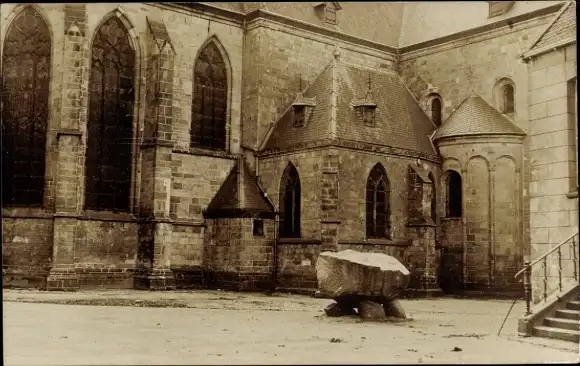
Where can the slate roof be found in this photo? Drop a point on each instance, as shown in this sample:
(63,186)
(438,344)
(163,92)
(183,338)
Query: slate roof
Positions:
(399,120)
(475,116)
(562,27)
(239,193)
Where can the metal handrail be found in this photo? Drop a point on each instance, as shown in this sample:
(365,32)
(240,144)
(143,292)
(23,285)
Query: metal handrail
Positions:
(545,255)
(528,270)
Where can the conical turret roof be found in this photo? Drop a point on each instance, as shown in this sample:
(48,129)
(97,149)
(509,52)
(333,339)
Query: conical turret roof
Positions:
(475,116)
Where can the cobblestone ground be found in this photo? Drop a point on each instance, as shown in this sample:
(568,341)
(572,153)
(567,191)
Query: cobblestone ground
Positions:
(214,327)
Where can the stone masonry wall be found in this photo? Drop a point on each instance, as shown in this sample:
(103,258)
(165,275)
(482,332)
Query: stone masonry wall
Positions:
(236,259)
(477,63)
(189,31)
(276,57)
(106,253)
(354,169)
(553,149)
(26,251)
(309,167)
(490,169)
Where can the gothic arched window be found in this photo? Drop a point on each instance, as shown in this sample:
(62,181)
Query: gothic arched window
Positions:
(210,96)
(378,207)
(110,119)
(290,203)
(25,89)
(436,111)
(454,195)
(508,99)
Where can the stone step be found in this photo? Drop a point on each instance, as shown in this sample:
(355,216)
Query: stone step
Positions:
(568,314)
(561,323)
(557,333)
(573,305)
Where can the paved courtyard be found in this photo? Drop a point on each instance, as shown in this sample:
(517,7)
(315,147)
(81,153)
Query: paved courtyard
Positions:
(214,327)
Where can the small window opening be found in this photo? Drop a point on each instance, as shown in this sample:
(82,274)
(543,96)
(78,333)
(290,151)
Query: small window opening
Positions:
(299,115)
(258,227)
(508,99)
(436,111)
(454,195)
(369,115)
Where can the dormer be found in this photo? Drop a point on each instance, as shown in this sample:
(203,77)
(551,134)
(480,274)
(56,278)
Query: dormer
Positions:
(328,11)
(366,108)
(497,8)
(302,109)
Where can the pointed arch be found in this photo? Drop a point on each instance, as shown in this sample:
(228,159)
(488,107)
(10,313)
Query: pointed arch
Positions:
(290,197)
(109,155)
(378,203)
(26,71)
(211,95)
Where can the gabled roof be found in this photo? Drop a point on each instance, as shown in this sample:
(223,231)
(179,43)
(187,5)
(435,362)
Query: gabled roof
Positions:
(240,195)
(561,31)
(474,117)
(399,121)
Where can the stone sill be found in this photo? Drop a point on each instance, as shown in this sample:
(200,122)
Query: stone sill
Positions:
(26,213)
(385,242)
(107,216)
(291,241)
(206,152)
(572,195)
(451,218)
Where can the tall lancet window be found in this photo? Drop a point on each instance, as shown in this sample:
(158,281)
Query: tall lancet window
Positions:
(110,120)
(210,96)
(378,207)
(290,203)
(25,89)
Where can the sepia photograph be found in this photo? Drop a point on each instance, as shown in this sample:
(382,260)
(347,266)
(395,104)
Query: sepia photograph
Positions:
(289,183)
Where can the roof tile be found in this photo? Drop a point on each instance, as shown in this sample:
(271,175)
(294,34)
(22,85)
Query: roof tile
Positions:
(399,121)
(475,116)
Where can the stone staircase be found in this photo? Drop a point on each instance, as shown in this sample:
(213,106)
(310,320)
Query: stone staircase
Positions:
(563,323)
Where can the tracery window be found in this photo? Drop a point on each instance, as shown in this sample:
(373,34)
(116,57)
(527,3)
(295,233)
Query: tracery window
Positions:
(378,207)
(26,65)
(110,119)
(209,106)
(454,195)
(290,203)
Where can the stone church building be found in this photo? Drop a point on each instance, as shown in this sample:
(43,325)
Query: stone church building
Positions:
(225,145)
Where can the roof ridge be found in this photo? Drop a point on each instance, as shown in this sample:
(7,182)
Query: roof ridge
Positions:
(415,99)
(274,124)
(549,26)
(333,93)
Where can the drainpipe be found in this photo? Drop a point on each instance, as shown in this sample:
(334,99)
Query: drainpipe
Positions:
(275,254)
(275,244)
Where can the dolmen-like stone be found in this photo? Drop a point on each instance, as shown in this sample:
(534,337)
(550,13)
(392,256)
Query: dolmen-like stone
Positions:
(369,282)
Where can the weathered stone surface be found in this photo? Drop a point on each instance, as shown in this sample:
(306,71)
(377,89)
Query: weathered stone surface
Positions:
(339,309)
(395,309)
(363,274)
(370,310)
